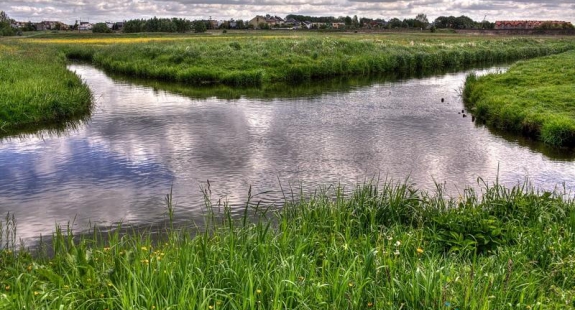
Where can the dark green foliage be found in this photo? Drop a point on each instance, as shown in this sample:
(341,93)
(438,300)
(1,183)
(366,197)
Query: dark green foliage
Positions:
(157,25)
(200,26)
(101,28)
(5,27)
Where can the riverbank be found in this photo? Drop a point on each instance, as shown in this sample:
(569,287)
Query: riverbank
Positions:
(256,60)
(36,89)
(534,98)
(383,247)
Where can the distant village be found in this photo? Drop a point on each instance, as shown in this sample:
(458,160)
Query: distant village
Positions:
(291,22)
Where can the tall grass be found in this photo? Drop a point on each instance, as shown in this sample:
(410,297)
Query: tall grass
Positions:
(37,89)
(534,97)
(248,60)
(386,246)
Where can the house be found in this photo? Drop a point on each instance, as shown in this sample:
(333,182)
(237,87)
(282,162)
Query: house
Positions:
(51,25)
(85,26)
(118,26)
(18,25)
(268,20)
(338,25)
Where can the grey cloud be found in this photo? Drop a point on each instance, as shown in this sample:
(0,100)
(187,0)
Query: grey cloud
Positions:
(98,10)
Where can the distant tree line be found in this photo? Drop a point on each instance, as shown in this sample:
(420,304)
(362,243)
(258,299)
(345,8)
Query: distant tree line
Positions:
(551,25)
(461,22)
(314,19)
(158,25)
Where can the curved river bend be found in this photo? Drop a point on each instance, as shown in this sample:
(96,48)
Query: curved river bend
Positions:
(140,141)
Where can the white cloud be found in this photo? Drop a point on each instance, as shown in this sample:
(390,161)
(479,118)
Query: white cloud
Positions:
(71,10)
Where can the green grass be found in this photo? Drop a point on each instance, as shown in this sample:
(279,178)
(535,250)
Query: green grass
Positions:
(383,247)
(535,98)
(36,89)
(244,60)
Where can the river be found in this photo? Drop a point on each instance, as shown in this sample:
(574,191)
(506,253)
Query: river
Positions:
(141,141)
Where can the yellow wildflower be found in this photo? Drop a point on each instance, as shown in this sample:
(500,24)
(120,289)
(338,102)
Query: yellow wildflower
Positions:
(419,251)
(144,248)
(258,291)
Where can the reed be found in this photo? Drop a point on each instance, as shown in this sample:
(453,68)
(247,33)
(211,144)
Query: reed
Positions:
(386,246)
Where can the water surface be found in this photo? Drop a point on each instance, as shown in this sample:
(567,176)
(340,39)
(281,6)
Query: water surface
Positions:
(141,141)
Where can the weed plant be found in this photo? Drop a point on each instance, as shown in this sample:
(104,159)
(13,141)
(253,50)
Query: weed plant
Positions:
(37,89)
(535,98)
(376,247)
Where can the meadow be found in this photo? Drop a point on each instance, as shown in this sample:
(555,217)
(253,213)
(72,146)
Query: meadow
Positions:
(377,246)
(535,98)
(37,89)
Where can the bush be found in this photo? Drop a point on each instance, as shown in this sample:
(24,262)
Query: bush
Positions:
(200,27)
(101,28)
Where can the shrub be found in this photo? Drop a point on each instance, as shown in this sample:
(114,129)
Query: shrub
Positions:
(101,28)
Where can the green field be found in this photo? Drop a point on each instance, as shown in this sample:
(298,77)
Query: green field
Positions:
(383,247)
(535,98)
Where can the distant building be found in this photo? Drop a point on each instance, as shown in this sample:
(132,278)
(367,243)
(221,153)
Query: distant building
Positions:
(530,24)
(268,20)
(85,26)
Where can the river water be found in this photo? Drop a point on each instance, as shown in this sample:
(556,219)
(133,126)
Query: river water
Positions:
(141,141)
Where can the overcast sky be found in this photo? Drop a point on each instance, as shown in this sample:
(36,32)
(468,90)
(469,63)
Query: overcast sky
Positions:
(97,10)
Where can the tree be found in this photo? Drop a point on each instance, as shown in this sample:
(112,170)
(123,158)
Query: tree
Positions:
(101,28)
(421,21)
(200,26)
(4,17)
(5,27)
(348,22)
(394,23)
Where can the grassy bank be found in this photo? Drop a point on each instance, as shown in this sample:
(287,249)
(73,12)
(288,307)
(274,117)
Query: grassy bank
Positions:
(535,98)
(244,60)
(377,247)
(37,89)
